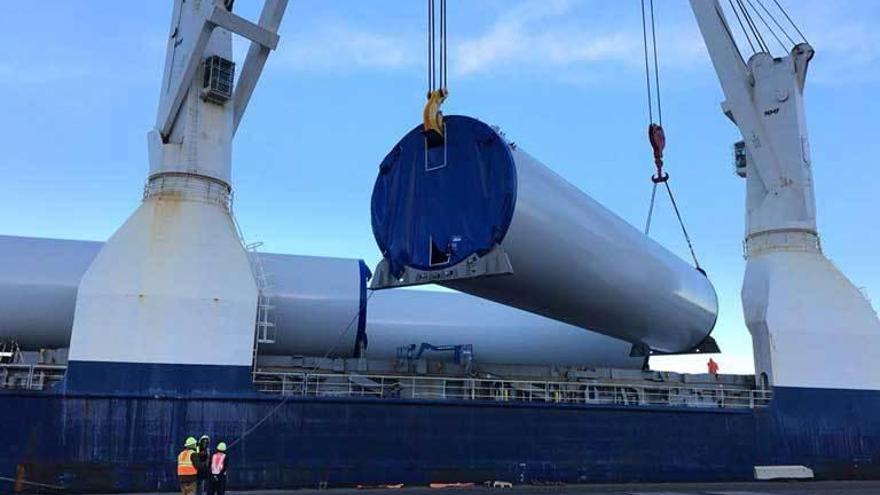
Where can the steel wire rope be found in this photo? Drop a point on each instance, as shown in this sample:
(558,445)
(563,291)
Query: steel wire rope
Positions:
(767,25)
(751,25)
(32,483)
(649,89)
(306,376)
(651,209)
(647,66)
(437,65)
(656,66)
(432,83)
(444,44)
(684,231)
(795,26)
(656,93)
(742,26)
(773,18)
(754,27)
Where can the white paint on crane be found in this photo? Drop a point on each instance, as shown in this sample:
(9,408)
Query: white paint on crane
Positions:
(174,284)
(811,327)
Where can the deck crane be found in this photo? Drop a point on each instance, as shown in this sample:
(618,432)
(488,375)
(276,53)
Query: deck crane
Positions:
(800,309)
(176,274)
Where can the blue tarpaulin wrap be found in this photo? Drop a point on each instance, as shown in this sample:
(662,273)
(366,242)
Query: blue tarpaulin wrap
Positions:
(360,341)
(459,196)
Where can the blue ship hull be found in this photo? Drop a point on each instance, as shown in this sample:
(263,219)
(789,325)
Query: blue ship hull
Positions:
(91,436)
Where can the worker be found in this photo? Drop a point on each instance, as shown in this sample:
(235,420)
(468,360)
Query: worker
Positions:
(713,368)
(218,471)
(188,462)
(204,454)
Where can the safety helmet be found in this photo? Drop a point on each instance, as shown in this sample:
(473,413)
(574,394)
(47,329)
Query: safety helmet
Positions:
(204,437)
(190,442)
(221,447)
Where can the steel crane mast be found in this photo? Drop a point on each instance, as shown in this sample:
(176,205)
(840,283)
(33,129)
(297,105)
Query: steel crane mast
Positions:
(176,275)
(800,309)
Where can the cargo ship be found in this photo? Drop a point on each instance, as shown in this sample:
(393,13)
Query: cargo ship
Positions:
(321,374)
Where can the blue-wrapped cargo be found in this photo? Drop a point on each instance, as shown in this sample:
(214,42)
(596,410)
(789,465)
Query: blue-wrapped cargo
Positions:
(480,215)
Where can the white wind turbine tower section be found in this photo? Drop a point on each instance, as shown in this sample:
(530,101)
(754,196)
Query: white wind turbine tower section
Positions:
(810,326)
(174,285)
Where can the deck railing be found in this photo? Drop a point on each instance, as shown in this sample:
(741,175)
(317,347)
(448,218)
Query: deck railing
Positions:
(504,390)
(292,383)
(30,376)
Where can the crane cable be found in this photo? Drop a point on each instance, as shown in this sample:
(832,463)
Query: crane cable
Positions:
(746,13)
(656,134)
(437,93)
(306,376)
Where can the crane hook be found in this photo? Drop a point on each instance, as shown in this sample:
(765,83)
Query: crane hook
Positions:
(657,138)
(433,117)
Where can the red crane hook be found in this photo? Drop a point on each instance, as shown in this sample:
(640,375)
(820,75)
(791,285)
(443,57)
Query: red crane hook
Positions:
(657,138)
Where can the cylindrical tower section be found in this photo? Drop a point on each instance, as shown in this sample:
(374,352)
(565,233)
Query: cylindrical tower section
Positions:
(320,307)
(499,334)
(480,215)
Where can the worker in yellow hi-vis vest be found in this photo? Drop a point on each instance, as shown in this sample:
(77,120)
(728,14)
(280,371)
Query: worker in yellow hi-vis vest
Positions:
(188,467)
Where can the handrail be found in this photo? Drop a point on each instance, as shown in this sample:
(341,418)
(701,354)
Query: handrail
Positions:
(30,376)
(306,384)
(507,390)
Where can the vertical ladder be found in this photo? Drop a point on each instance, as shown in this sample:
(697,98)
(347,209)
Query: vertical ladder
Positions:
(264,326)
(9,352)
(266,330)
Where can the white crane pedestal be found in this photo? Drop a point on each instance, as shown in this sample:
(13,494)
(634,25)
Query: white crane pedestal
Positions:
(811,327)
(172,297)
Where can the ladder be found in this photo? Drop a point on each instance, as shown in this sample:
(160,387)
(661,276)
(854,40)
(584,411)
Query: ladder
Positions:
(9,352)
(265,327)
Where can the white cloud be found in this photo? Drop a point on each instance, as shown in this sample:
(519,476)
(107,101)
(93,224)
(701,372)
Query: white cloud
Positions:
(558,35)
(526,34)
(576,41)
(847,47)
(532,33)
(339,46)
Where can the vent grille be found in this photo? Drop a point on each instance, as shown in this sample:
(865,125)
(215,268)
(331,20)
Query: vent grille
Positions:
(219,77)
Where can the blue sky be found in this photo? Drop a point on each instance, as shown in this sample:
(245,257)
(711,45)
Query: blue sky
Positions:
(563,78)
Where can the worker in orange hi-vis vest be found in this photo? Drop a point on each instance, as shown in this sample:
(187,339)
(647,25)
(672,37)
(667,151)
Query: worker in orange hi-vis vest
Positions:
(188,467)
(217,482)
(713,367)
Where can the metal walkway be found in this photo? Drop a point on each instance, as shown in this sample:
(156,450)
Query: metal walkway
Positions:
(588,392)
(455,388)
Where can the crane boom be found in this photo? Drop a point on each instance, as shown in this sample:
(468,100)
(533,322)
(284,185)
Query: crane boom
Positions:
(799,308)
(764,98)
